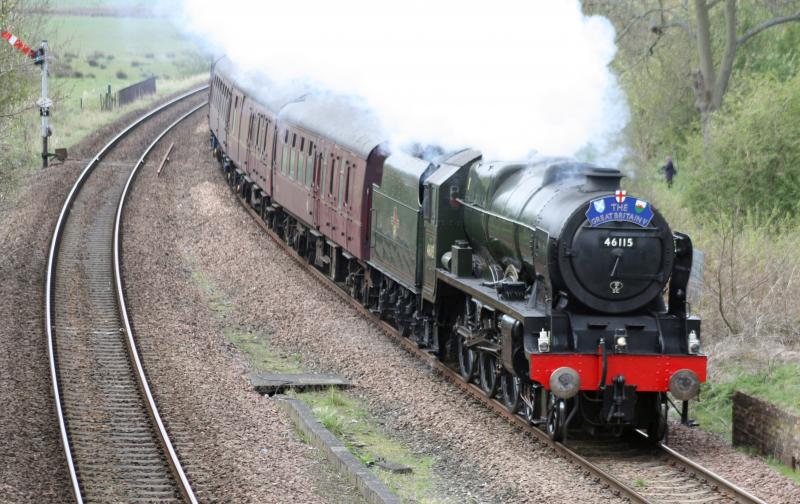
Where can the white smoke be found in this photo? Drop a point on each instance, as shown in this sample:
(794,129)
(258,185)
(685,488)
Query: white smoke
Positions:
(503,76)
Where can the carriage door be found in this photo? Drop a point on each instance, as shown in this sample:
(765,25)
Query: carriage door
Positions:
(235,129)
(249,154)
(264,153)
(255,148)
(316,185)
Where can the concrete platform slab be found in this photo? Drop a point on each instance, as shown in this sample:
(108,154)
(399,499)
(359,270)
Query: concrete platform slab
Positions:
(276,383)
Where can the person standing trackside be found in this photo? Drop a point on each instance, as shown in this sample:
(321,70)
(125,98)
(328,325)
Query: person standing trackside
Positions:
(669,171)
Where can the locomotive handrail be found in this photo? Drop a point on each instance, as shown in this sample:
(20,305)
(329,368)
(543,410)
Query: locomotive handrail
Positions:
(498,216)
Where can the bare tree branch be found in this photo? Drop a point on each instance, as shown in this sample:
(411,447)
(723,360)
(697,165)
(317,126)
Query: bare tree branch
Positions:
(635,20)
(767,24)
(17,112)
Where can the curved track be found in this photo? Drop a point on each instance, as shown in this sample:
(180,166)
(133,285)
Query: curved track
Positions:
(115,444)
(642,475)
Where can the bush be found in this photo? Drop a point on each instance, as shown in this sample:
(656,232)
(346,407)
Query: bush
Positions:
(750,159)
(752,292)
(121,75)
(93,63)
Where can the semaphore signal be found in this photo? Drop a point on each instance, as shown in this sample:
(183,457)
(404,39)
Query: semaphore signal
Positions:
(39,57)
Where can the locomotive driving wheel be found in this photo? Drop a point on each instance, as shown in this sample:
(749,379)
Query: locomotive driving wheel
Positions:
(556,419)
(511,391)
(658,426)
(487,370)
(466,359)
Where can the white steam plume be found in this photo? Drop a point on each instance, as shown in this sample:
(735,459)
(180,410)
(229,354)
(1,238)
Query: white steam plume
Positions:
(504,76)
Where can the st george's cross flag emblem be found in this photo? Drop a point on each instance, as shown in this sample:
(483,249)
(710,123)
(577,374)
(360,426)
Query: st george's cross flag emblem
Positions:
(620,195)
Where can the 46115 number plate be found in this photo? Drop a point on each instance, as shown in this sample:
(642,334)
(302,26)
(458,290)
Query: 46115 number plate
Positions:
(618,242)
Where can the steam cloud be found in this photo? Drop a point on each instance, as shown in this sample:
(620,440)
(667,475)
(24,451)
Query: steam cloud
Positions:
(504,76)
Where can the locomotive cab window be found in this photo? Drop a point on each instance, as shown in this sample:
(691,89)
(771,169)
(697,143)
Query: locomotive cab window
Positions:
(426,203)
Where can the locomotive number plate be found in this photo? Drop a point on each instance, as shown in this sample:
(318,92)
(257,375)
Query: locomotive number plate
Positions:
(618,242)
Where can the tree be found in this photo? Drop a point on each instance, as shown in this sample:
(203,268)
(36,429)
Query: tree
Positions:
(711,81)
(646,23)
(18,79)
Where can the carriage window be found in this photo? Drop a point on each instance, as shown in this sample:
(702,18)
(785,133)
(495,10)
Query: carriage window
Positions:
(324,161)
(235,107)
(262,136)
(256,132)
(333,174)
(341,181)
(309,169)
(347,184)
(293,165)
(302,144)
(285,159)
(266,137)
(301,166)
(294,139)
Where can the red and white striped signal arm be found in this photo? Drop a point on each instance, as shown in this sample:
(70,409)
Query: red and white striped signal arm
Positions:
(18,44)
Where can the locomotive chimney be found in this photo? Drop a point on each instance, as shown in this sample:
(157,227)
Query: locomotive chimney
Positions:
(601,179)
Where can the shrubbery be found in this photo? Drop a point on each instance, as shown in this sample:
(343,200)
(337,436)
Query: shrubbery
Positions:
(750,158)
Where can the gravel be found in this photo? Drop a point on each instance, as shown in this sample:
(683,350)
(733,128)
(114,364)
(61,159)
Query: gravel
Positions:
(235,445)
(32,468)
(483,457)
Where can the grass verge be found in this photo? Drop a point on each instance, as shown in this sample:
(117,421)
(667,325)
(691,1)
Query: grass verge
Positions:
(779,385)
(252,342)
(347,418)
(341,413)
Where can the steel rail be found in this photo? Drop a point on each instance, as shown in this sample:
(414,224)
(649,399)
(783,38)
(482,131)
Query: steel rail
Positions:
(617,486)
(163,437)
(50,281)
(735,492)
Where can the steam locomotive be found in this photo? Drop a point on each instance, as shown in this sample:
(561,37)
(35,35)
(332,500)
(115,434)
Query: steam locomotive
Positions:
(546,284)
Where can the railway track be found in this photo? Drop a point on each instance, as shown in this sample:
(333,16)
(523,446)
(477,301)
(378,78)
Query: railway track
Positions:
(630,468)
(115,443)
